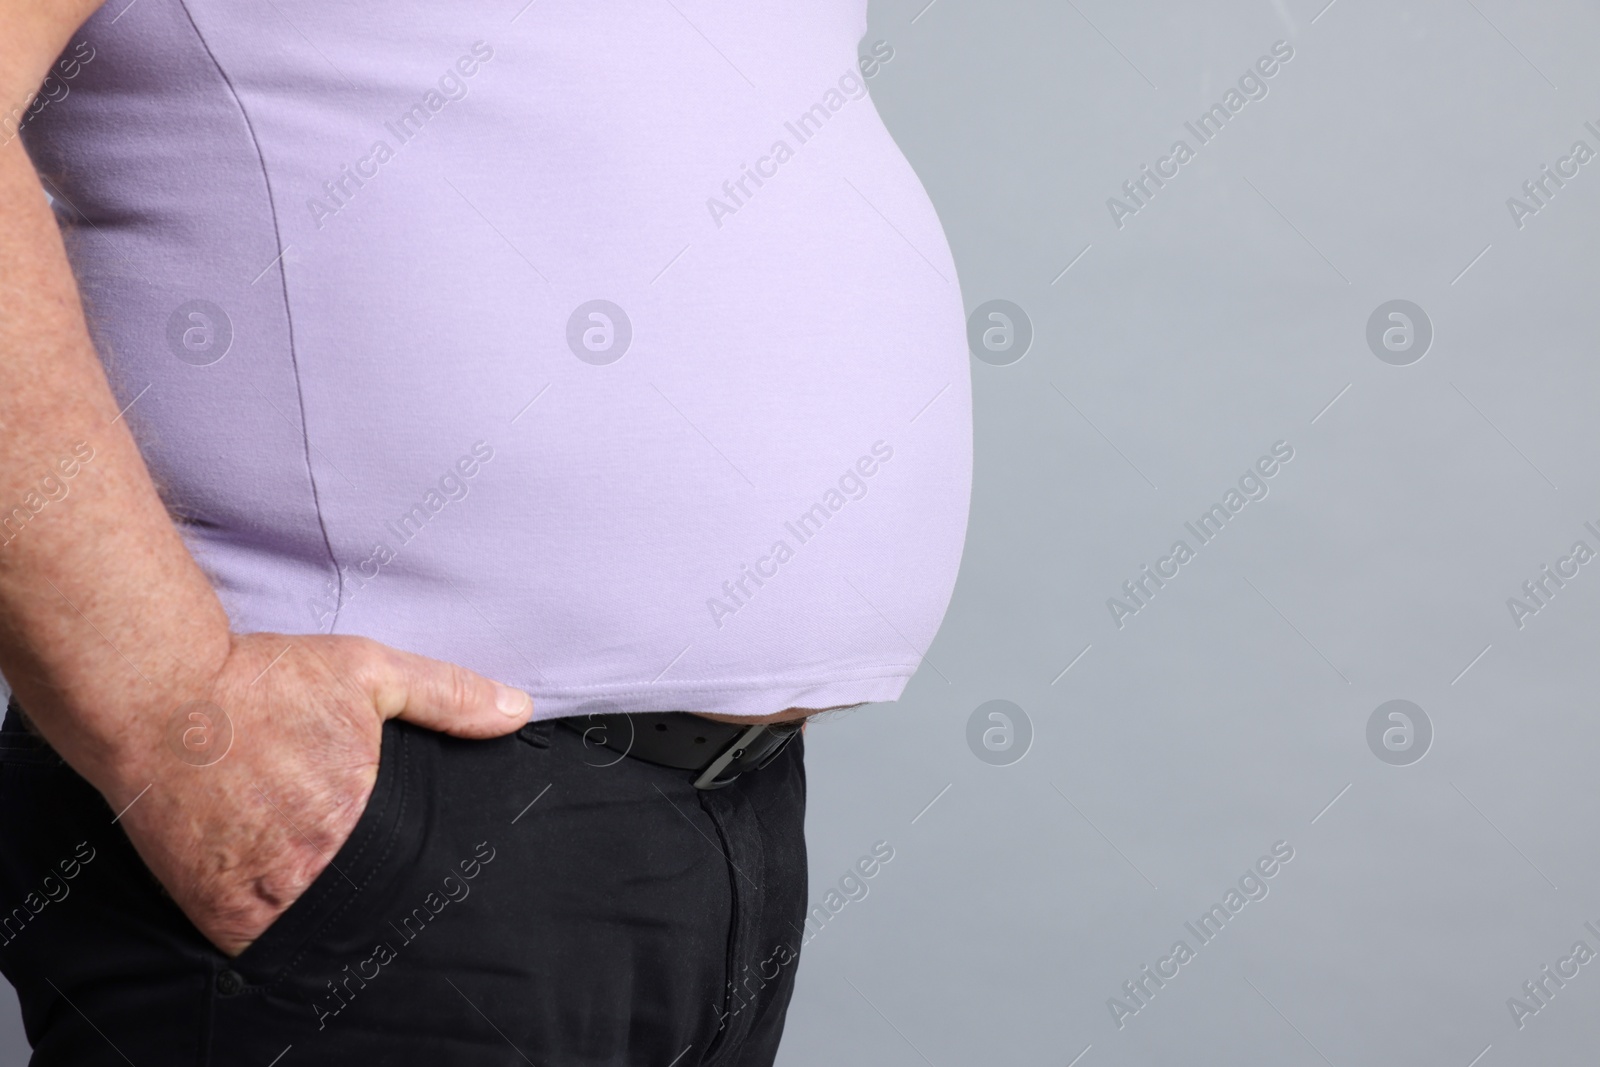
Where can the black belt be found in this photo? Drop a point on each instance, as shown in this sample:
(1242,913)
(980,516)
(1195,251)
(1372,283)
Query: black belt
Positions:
(718,752)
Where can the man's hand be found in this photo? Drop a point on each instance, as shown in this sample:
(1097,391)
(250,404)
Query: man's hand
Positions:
(108,626)
(238,840)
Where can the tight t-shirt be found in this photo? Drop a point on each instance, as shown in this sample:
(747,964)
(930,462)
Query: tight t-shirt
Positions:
(612,350)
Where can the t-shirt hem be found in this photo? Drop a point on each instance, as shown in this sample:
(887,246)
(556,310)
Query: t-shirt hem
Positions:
(751,697)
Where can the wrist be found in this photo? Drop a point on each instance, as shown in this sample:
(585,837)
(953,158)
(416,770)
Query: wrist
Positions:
(115,734)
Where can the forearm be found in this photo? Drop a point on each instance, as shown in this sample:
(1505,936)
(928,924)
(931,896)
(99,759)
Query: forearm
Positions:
(105,619)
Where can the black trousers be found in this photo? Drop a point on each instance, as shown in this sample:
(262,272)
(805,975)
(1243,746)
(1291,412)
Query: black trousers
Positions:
(531,899)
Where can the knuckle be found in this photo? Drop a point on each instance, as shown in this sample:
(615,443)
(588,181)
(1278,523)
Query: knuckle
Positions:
(463,689)
(365,659)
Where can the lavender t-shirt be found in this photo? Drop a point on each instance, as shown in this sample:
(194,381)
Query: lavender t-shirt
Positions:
(611,350)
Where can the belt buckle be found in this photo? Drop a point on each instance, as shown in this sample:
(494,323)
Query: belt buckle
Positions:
(780,733)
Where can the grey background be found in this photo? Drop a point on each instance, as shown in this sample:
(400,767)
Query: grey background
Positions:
(1225,716)
(1229,314)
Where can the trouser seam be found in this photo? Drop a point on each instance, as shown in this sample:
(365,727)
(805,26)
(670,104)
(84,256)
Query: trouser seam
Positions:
(730,1032)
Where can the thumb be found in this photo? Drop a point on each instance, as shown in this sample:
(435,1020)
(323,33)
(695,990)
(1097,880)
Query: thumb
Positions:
(445,697)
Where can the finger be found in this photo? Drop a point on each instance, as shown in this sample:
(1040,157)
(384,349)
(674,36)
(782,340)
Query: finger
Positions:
(445,697)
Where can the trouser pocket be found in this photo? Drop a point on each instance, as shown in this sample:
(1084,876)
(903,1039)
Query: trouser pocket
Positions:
(337,905)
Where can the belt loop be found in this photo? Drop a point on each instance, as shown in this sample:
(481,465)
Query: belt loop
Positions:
(537,733)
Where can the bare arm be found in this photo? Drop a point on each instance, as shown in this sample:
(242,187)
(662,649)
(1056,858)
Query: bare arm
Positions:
(104,617)
(107,625)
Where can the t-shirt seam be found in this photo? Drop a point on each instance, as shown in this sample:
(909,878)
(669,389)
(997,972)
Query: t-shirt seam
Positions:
(288,315)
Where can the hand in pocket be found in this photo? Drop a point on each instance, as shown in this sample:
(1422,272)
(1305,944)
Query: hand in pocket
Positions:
(238,840)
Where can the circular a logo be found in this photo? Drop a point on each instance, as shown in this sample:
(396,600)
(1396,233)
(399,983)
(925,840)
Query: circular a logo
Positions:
(199,332)
(1399,333)
(1399,732)
(599,332)
(601,734)
(199,733)
(999,333)
(999,732)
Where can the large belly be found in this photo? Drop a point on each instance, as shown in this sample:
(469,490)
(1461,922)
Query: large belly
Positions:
(631,373)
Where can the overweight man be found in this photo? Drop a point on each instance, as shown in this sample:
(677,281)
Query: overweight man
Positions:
(449,451)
